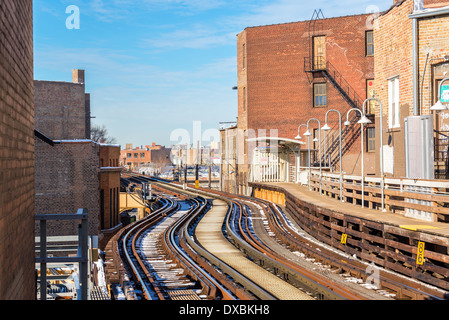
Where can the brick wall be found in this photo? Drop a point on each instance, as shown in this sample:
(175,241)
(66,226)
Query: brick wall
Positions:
(109,186)
(17,279)
(394,58)
(67,180)
(394,42)
(279,93)
(433,48)
(62,109)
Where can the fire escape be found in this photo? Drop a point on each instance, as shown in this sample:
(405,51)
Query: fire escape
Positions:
(319,67)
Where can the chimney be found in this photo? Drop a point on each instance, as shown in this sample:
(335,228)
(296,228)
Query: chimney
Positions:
(78,76)
(418,5)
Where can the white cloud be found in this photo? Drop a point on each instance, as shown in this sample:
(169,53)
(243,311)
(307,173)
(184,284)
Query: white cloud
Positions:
(284,11)
(198,36)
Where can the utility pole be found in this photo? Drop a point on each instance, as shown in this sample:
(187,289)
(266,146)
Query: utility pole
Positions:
(210,167)
(197,178)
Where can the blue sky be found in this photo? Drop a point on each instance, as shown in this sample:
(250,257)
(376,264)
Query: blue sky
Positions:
(155,66)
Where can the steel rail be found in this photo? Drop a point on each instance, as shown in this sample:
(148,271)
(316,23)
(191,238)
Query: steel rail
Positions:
(138,268)
(236,276)
(319,284)
(180,230)
(279,224)
(387,279)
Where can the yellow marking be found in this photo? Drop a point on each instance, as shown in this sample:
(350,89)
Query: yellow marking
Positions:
(344,238)
(415,227)
(420,253)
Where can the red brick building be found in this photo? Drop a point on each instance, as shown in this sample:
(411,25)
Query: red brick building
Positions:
(412,58)
(67,179)
(63,111)
(109,187)
(155,156)
(72,171)
(292,72)
(17,272)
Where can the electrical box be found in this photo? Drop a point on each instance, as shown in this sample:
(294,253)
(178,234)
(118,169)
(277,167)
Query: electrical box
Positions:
(419,147)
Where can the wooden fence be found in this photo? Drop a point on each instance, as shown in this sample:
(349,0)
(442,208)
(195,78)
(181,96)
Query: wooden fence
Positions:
(426,200)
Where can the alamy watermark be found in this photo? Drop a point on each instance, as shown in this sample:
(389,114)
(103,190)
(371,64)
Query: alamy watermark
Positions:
(73,21)
(236,141)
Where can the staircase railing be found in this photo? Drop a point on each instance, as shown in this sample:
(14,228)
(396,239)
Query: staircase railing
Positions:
(349,133)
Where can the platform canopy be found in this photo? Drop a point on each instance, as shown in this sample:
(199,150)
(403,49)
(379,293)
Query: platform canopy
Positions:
(267,166)
(280,141)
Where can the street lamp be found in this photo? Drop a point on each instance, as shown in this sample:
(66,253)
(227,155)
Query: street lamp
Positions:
(382,181)
(363,120)
(298,137)
(327,128)
(308,134)
(439,106)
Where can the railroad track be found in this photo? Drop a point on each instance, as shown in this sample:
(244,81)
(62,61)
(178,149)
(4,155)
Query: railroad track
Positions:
(218,280)
(131,257)
(214,275)
(175,244)
(248,242)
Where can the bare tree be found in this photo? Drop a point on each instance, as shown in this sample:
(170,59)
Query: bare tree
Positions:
(100,134)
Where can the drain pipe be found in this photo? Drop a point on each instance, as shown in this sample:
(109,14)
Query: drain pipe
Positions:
(415,68)
(421,89)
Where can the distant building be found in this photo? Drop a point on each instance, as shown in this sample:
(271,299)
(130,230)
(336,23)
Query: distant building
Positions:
(154,156)
(228,168)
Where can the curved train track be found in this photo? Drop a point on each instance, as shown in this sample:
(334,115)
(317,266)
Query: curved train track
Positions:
(220,281)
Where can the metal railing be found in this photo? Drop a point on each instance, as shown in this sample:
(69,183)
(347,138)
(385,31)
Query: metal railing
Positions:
(349,133)
(81,281)
(426,200)
(441,164)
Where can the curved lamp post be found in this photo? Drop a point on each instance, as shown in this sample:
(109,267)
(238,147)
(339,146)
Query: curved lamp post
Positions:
(327,128)
(308,134)
(364,120)
(298,137)
(439,106)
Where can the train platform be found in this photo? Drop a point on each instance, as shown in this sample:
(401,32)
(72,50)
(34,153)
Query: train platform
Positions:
(408,246)
(395,219)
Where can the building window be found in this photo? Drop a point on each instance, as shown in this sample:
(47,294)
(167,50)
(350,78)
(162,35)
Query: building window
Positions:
(371,139)
(319,53)
(102,208)
(244,99)
(370,43)
(370,94)
(244,56)
(136,155)
(128,155)
(393,103)
(320,95)
(142,155)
